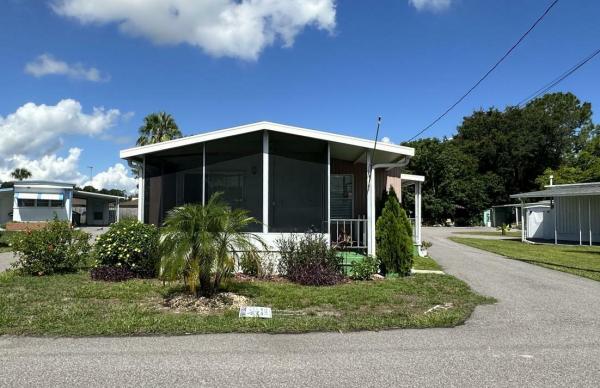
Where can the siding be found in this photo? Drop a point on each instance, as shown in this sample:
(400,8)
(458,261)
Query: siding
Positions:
(573,211)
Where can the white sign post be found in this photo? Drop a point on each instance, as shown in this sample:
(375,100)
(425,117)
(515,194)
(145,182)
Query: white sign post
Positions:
(255,312)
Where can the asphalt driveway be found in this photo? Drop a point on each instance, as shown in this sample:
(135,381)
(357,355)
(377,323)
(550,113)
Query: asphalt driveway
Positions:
(545,331)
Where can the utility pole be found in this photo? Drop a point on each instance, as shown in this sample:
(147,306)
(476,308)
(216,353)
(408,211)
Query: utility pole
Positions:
(91,172)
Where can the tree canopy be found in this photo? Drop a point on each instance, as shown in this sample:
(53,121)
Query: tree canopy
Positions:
(497,153)
(158,127)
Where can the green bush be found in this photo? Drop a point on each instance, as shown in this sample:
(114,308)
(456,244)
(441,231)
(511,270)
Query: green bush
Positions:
(130,244)
(364,269)
(256,264)
(56,248)
(394,238)
(307,259)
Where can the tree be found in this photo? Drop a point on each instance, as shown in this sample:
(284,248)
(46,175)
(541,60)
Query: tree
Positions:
(158,127)
(198,243)
(394,238)
(20,174)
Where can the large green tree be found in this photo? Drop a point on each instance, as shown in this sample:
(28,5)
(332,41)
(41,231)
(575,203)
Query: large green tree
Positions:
(158,127)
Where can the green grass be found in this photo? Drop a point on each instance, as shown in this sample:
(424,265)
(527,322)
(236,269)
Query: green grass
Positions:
(425,263)
(4,241)
(74,305)
(511,233)
(581,261)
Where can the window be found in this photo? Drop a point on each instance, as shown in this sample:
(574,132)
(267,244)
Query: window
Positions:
(26,202)
(342,189)
(43,203)
(56,203)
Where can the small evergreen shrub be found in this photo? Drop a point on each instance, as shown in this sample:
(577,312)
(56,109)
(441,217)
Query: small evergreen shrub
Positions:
(129,244)
(112,274)
(364,269)
(394,238)
(56,248)
(307,259)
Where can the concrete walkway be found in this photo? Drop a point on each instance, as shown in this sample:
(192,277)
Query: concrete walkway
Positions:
(6,258)
(545,331)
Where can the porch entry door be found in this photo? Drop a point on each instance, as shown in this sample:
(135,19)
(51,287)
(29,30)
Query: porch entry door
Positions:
(342,196)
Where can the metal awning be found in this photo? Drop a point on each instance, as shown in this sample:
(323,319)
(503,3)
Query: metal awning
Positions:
(47,196)
(571,190)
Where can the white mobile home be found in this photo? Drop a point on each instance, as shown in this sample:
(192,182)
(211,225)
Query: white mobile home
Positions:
(40,201)
(291,179)
(570,216)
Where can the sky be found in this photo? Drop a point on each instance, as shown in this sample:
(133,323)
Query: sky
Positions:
(78,76)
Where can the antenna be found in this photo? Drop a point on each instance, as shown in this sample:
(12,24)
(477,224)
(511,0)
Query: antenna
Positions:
(91,172)
(373,152)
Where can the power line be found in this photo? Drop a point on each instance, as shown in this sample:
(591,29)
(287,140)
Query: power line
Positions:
(559,79)
(488,72)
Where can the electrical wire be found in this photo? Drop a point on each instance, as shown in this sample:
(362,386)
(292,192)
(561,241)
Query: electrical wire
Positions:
(514,46)
(559,79)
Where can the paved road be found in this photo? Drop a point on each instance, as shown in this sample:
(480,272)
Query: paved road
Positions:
(545,331)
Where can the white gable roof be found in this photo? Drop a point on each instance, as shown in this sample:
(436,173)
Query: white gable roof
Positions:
(265,125)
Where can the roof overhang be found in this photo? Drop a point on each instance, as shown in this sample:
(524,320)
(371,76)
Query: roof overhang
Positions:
(567,190)
(394,151)
(88,194)
(42,185)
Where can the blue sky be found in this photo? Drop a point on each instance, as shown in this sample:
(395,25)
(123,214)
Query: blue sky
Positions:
(334,66)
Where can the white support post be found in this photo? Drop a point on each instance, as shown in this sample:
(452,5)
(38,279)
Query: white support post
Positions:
(265,202)
(141,190)
(522,222)
(117,216)
(579,218)
(418,215)
(590,218)
(371,205)
(555,220)
(517,215)
(203,174)
(329,191)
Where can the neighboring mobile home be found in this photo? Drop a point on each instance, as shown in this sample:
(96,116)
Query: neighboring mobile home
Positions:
(293,180)
(572,214)
(41,201)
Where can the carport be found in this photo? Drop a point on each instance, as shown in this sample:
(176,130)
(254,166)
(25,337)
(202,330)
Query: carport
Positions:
(95,209)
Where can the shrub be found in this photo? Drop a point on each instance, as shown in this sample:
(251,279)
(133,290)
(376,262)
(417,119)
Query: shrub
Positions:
(256,264)
(112,274)
(129,244)
(364,269)
(55,248)
(394,238)
(308,260)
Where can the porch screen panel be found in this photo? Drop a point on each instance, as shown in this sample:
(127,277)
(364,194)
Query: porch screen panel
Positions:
(234,168)
(297,184)
(172,178)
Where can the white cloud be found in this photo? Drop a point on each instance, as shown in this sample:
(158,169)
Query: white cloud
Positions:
(115,177)
(48,167)
(222,28)
(46,64)
(386,139)
(430,5)
(35,130)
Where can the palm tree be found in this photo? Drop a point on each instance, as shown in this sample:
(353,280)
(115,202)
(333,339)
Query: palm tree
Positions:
(21,173)
(158,127)
(198,243)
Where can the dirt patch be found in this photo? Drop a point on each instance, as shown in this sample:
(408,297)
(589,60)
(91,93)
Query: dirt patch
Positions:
(218,303)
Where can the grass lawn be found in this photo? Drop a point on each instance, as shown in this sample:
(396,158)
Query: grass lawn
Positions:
(4,237)
(581,261)
(425,263)
(498,233)
(74,305)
